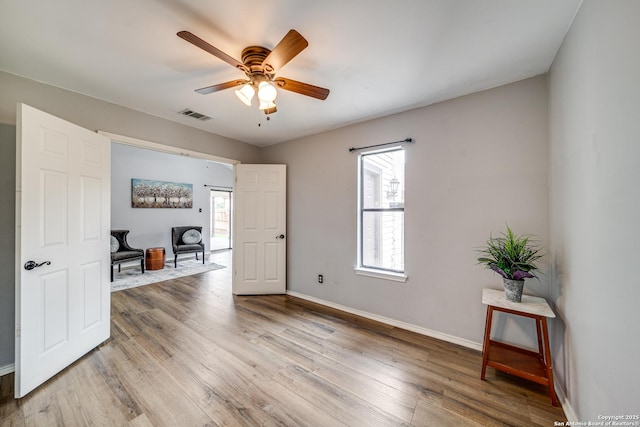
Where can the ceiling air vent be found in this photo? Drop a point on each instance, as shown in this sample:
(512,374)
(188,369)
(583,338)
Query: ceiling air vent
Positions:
(194,114)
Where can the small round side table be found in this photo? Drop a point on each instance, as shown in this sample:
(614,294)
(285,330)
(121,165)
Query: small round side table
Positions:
(154,258)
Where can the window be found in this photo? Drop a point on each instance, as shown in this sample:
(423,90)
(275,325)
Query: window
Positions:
(381,213)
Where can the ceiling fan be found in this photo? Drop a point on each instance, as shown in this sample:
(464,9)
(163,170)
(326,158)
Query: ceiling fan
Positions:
(260,65)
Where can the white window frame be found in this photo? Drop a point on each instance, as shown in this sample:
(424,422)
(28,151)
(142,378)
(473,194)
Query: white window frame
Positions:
(360,269)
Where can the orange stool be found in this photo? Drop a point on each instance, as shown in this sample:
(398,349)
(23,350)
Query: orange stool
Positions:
(154,258)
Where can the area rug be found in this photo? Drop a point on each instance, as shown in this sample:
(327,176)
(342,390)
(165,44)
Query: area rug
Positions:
(130,277)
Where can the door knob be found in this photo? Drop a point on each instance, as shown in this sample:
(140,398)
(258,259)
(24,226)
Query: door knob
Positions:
(30,265)
(280,236)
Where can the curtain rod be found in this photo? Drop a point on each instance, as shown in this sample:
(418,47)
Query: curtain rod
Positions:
(407,140)
(221,187)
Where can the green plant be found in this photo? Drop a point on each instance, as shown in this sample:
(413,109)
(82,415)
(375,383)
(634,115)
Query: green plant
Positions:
(513,257)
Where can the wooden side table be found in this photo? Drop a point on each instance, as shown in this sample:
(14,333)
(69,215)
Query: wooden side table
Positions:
(514,360)
(154,258)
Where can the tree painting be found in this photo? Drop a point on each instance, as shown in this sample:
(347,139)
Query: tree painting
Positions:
(160,194)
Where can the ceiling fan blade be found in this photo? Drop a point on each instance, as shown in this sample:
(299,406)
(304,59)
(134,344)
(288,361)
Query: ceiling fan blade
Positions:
(197,41)
(221,86)
(290,45)
(302,88)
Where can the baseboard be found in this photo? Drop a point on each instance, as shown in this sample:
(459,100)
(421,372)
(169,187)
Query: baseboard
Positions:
(7,369)
(402,325)
(566,406)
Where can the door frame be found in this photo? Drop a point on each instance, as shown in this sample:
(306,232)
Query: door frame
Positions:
(163,148)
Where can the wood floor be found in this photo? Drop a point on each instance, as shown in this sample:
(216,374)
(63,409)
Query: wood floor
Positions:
(187,353)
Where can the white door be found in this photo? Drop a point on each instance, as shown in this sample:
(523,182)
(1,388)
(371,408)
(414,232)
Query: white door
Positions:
(62,245)
(259,248)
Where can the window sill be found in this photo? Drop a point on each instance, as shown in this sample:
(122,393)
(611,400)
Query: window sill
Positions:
(380,274)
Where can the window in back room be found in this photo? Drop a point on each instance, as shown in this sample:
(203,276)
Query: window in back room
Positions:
(381,211)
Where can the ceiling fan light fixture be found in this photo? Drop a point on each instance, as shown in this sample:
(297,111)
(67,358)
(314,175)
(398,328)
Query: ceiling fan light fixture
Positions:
(267,93)
(266,105)
(245,94)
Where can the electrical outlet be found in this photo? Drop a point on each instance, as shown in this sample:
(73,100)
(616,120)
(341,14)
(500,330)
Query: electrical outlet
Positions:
(320,278)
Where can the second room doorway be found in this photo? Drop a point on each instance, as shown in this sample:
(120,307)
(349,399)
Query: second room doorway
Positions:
(221,220)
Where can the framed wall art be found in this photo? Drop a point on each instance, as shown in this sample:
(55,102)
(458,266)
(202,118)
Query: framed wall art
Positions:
(160,194)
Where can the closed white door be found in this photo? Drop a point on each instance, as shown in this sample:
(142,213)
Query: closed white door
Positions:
(259,248)
(62,245)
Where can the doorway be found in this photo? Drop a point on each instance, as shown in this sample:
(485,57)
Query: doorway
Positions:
(221,214)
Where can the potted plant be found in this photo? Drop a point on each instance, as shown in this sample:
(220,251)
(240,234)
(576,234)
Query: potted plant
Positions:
(514,258)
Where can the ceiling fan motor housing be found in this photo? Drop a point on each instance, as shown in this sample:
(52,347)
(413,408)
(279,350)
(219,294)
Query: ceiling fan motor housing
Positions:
(253,57)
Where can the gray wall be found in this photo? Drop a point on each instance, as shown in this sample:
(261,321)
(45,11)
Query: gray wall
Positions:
(7,237)
(594,138)
(152,227)
(479,162)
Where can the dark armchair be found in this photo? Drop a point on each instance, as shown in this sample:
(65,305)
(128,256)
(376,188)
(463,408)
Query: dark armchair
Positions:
(122,252)
(186,239)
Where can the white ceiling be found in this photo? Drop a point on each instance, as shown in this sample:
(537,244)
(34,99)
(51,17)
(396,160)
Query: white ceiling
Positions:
(376,56)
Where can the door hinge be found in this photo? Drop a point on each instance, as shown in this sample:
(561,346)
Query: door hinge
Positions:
(18,331)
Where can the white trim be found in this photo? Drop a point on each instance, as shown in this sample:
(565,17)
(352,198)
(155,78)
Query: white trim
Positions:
(163,148)
(381,274)
(7,369)
(564,403)
(402,325)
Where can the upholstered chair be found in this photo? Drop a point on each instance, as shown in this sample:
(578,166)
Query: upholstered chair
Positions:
(186,239)
(122,252)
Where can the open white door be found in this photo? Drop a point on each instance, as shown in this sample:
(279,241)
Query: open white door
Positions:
(62,245)
(259,248)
